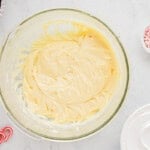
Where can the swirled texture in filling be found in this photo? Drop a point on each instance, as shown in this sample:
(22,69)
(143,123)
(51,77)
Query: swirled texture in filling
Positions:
(69,77)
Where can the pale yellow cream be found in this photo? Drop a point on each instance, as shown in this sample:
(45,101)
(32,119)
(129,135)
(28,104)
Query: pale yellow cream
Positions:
(69,78)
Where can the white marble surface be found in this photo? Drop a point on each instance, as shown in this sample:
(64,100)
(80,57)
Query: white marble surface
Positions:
(127,18)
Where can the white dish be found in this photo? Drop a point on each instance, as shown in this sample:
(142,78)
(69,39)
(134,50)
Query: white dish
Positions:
(136,131)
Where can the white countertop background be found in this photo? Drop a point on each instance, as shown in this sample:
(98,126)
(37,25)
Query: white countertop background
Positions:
(127,18)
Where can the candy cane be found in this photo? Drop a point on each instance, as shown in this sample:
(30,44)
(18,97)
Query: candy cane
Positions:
(2,137)
(8,132)
(5,134)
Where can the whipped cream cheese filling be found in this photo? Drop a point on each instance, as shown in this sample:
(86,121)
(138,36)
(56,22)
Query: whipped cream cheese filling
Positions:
(69,76)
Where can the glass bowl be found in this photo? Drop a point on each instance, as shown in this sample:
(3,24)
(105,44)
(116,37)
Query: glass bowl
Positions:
(18,42)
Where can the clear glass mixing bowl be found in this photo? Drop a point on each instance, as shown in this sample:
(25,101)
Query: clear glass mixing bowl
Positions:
(18,42)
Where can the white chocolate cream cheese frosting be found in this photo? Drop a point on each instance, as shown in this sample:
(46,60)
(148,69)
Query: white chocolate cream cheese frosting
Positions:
(69,76)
